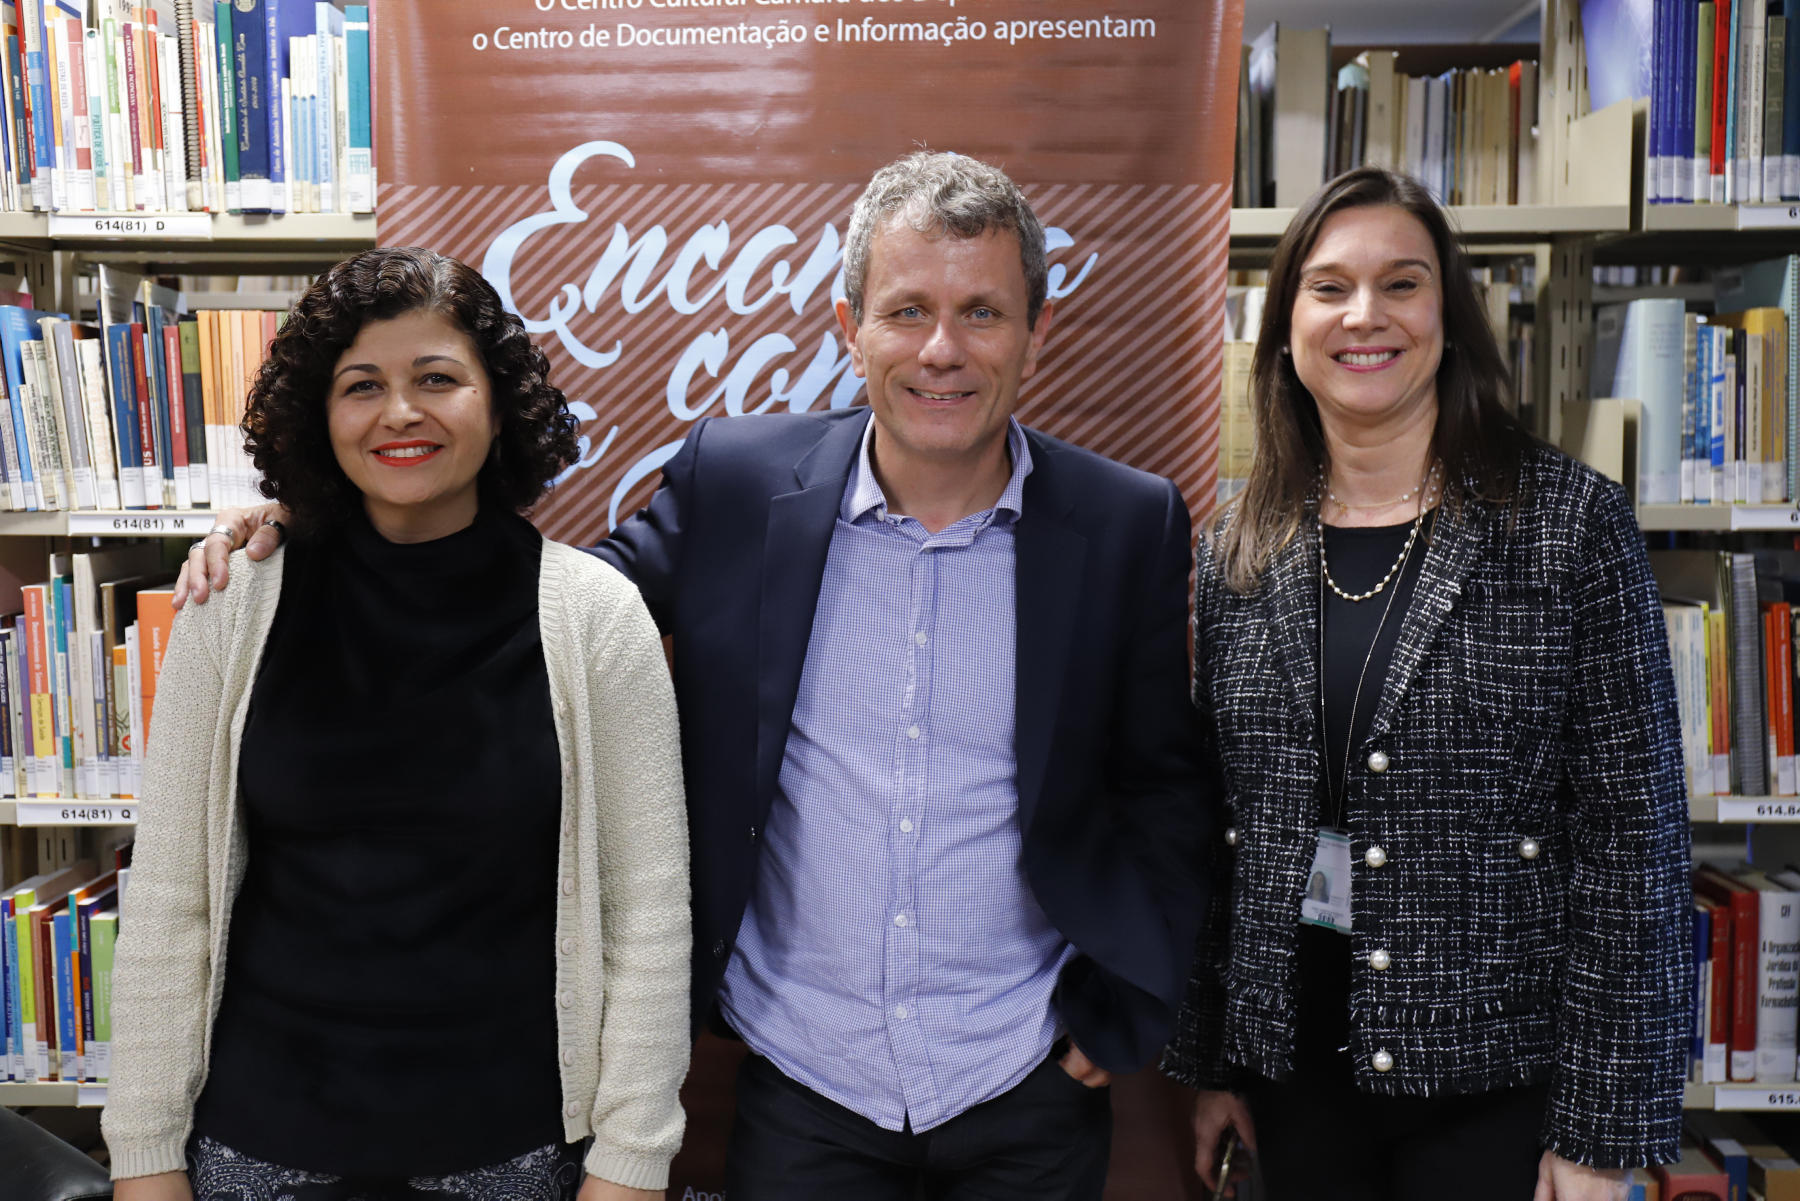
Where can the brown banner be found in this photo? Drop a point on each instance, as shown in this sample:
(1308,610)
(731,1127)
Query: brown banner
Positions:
(660,189)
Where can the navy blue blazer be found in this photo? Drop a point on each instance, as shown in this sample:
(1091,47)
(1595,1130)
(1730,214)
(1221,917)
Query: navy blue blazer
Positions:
(729,555)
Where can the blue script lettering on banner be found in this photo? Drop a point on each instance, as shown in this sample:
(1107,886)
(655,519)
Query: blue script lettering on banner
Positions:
(626,267)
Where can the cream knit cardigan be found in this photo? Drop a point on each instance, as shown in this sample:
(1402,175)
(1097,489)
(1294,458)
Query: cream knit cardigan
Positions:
(622,873)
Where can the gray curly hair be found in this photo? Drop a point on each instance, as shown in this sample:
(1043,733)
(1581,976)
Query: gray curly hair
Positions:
(944,193)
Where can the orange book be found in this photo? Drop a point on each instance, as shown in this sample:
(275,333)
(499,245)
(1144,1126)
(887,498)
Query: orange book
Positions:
(155,621)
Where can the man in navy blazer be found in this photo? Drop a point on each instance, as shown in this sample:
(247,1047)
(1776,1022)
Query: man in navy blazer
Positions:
(944,787)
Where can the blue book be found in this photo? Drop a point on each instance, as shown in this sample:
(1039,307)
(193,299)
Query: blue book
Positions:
(328,21)
(250,63)
(67,1060)
(285,20)
(1790,117)
(43,140)
(122,389)
(17,327)
(359,151)
(1680,167)
(8,1014)
(1703,420)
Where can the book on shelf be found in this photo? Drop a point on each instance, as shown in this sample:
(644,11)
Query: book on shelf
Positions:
(1719,391)
(58,931)
(1719,83)
(183,106)
(1470,135)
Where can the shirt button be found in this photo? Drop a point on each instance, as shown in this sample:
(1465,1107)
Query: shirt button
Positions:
(571,1109)
(752,833)
(1381,1061)
(912,731)
(1375,857)
(1378,762)
(906,825)
(1231,837)
(1528,848)
(920,638)
(567,1000)
(568,946)
(1379,960)
(902,1012)
(719,949)
(568,888)
(900,920)
(568,1057)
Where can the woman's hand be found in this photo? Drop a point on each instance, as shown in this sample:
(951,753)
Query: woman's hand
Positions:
(164,1186)
(205,569)
(596,1189)
(1214,1112)
(1560,1180)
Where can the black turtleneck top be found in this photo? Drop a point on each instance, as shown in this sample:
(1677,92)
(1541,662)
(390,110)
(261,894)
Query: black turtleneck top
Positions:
(387,1007)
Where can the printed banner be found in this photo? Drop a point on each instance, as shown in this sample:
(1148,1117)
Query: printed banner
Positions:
(661,189)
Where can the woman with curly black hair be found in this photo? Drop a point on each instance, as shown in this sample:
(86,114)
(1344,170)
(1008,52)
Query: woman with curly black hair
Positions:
(422,765)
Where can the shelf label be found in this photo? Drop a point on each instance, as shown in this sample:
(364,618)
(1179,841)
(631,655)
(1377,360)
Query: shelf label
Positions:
(187,227)
(151,521)
(77,813)
(1759,809)
(90,1096)
(1769,216)
(1753,1098)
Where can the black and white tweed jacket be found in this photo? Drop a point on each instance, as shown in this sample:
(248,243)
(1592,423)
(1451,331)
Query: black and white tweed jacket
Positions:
(1517,816)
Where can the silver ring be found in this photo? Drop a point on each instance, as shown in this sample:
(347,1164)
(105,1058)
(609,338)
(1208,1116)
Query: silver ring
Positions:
(195,545)
(230,534)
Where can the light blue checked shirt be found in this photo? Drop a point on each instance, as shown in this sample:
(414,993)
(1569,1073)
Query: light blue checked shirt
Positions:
(892,957)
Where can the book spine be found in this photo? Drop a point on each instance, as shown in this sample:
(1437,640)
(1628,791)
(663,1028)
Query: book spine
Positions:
(250,41)
(274,67)
(359,166)
(178,433)
(124,414)
(104,935)
(1790,113)
(193,407)
(1705,23)
(94,72)
(1774,175)
(228,108)
(1778,984)
(84,984)
(146,421)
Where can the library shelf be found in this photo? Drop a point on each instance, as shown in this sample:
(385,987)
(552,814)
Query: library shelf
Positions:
(1720,518)
(109,523)
(1761,809)
(66,811)
(1516,222)
(1719,218)
(64,1093)
(55,231)
(1764,1097)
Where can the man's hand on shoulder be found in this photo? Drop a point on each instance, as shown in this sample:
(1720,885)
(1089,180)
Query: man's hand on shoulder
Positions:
(258,530)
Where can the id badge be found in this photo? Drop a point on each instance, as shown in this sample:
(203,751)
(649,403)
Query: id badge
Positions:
(1327,899)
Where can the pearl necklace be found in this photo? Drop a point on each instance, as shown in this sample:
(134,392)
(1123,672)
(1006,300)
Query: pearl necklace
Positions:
(1411,537)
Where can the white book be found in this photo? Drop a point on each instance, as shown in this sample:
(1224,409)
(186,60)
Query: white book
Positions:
(134,765)
(1648,368)
(1778,972)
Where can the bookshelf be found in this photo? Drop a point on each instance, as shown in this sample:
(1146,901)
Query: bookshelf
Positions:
(53,1093)
(109,523)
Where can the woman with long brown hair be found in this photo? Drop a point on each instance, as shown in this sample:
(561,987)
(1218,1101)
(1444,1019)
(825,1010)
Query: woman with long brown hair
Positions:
(1432,662)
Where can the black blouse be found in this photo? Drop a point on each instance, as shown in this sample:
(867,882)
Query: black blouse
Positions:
(388,1005)
(1353,630)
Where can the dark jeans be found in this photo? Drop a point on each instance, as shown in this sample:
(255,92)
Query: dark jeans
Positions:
(1317,1136)
(219,1173)
(1046,1139)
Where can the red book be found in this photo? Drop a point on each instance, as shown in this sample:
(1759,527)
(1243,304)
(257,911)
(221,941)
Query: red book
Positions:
(134,117)
(178,450)
(146,420)
(1718,1030)
(1693,1177)
(1724,34)
(1746,925)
